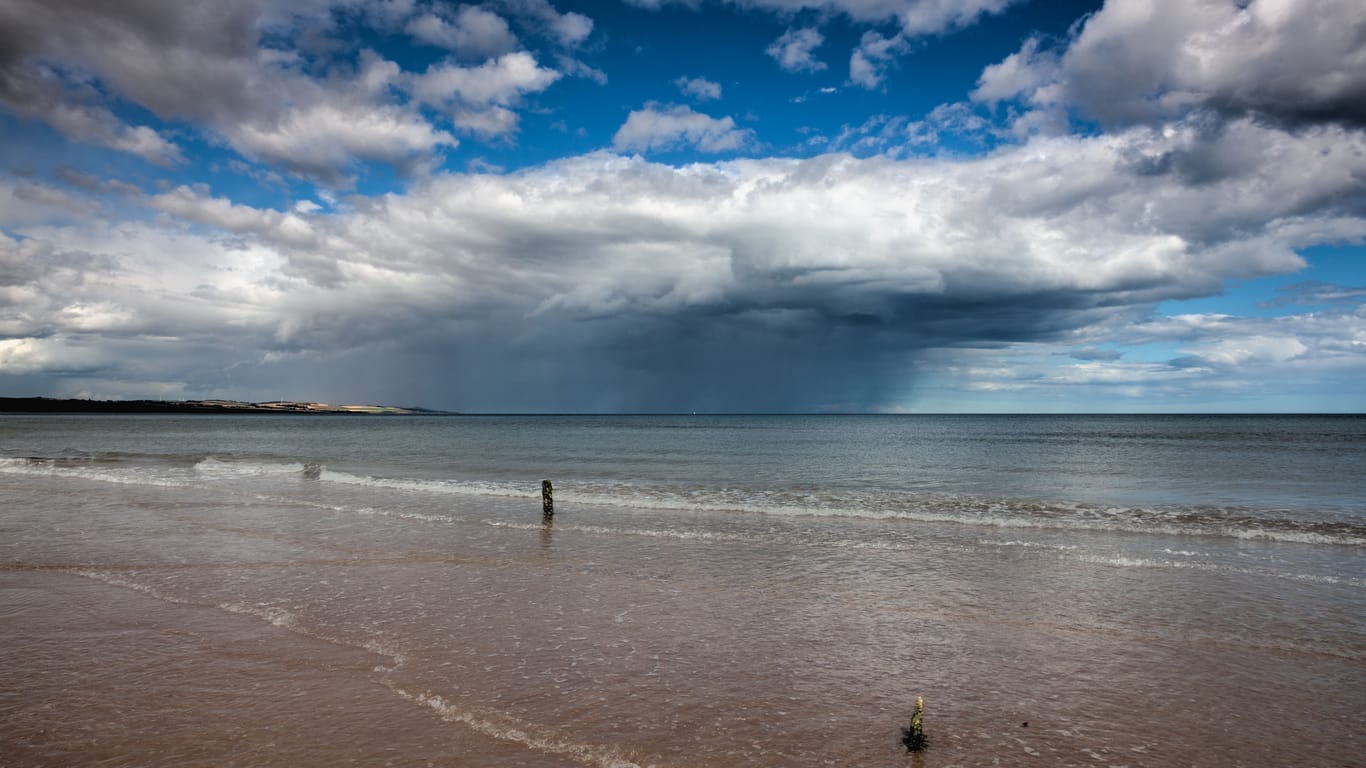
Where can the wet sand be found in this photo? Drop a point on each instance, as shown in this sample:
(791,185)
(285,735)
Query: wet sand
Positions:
(305,625)
(102,675)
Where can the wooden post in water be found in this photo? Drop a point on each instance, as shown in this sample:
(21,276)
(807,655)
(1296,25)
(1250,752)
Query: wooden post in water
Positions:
(914,737)
(547,501)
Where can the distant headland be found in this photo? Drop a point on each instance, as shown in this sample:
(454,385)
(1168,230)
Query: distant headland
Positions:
(55,405)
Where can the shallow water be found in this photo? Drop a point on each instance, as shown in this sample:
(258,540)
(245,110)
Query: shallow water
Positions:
(185,591)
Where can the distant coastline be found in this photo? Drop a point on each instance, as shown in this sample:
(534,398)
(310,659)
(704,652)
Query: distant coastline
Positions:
(56,405)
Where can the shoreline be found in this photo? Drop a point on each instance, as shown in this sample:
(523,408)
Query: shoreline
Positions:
(54,405)
(576,647)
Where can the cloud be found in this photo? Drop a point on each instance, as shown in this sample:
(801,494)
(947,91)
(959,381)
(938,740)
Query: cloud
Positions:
(479,97)
(923,17)
(604,281)
(569,30)
(35,91)
(26,203)
(1313,292)
(1248,349)
(270,81)
(760,283)
(1145,61)
(469,31)
(500,81)
(795,48)
(915,17)
(388,14)
(1022,72)
(489,122)
(700,88)
(1090,354)
(1221,344)
(661,128)
(287,229)
(575,68)
(1225,363)
(191,59)
(869,62)
(899,136)
(320,141)
(1322,353)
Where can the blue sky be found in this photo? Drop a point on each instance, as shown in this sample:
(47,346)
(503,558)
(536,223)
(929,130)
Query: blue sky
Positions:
(751,205)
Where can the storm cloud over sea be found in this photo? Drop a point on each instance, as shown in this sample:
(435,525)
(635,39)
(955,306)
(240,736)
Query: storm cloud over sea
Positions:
(1036,239)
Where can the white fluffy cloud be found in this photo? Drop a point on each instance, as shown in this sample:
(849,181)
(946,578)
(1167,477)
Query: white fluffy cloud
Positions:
(500,81)
(699,88)
(1138,61)
(479,97)
(659,128)
(469,31)
(795,50)
(320,140)
(869,62)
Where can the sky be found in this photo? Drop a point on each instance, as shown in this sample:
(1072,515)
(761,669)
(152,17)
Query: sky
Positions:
(889,206)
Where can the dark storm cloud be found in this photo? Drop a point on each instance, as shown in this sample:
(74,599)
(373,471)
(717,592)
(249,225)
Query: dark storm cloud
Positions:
(604,282)
(617,283)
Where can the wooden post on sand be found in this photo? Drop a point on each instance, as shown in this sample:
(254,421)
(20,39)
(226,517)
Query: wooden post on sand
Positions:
(547,501)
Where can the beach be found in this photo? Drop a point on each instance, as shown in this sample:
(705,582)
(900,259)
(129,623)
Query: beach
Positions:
(750,591)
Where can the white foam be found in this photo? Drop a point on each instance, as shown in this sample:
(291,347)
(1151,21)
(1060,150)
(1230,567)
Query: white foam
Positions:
(111,475)
(507,728)
(654,533)
(287,620)
(363,511)
(1294,537)
(471,487)
(117,580)
(213,467)
(1029,544)
(944,509)
(922,508)
(1125,561)
(276,616)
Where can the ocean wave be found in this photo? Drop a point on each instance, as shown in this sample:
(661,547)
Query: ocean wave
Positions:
(1006,513)
(166,471)
(1290,526)
(92,469)
(215,467)
(422,485)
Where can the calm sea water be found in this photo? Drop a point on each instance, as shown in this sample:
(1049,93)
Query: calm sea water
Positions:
(769,590)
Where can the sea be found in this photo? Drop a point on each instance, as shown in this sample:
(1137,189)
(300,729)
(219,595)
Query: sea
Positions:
(325,590)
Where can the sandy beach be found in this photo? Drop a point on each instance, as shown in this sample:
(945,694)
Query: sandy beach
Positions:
(237,612)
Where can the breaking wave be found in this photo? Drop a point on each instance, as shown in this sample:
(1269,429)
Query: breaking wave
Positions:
(1295,526)
(1001,512)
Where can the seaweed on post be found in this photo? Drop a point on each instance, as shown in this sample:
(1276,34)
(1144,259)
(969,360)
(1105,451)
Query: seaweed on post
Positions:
(914,737)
